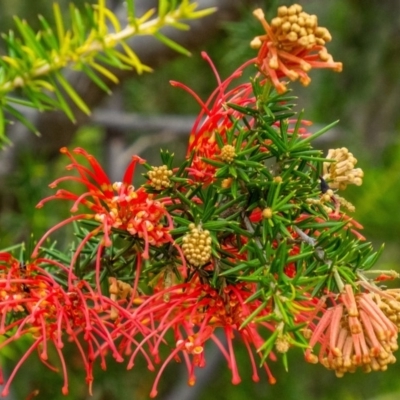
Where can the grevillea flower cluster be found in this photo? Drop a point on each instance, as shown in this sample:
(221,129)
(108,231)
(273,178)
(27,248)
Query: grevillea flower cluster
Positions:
(245,242)
(293,44)
(356,332)
(36,306)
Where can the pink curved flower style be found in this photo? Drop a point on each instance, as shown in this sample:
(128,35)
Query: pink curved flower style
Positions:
(356,332)
(194,311)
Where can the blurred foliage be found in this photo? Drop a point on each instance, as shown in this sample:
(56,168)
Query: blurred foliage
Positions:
(365,97)
(42,7)
(29,184)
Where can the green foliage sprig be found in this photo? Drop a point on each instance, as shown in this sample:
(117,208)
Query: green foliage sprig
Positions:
(94,43)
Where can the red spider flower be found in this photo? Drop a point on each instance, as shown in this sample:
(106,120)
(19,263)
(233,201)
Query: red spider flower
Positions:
(34,305)
(356,332)
(293,44)
(216,117)
(194,312)
(113,205)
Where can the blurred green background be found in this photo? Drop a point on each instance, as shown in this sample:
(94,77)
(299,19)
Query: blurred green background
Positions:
(365,97)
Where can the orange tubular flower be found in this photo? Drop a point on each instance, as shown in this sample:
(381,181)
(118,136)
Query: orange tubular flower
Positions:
(34,305)
(113,205)
(293,44)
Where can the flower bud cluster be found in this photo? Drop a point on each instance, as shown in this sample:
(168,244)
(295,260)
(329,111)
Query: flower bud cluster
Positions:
(228,153)
(356,333)
(119,290)
(389,303)
(325,198)
(293,44)
(267,213)
(341,171)
(282,344)
(226,183)
(159,177)
(197,246)
(329,196)
(294,27)
(345,203)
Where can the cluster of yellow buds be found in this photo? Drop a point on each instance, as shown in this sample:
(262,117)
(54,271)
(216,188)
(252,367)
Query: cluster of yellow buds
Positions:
(345,203)
(341,172)
(329,197)
(159,177)
(197,246)
(355,333)
(294,27)
(282,343)
(119,290)
(227,153)
(322,200)
(226,183)
(389,302)
(267,213)
(292,45)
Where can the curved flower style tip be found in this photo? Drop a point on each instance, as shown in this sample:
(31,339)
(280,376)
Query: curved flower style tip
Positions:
(292,45)
(97,173)
(194,312)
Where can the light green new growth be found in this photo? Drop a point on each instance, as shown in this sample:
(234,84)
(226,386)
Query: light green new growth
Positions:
(94,41)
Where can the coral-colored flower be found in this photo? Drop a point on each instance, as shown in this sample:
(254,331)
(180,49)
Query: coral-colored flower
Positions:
(112,205)
(194,312)
(216,117)
(293,44)
(356,332)
(34,305)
